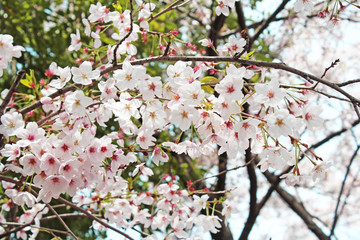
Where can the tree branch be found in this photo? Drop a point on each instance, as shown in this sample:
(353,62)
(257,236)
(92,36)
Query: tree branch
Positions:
(224,232)
(62,221)
(216,26)
(11,91)
(169,8)
(240,16)
(336,213)
(253,212)
(348,82)
(297,208)
(265,24)
(74,206)
(281,66)
(128,34)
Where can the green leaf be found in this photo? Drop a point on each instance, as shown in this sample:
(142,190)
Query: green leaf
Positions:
(107,40)
(25,82)
(209,79)
(208,89)
(184,165)
(249,55)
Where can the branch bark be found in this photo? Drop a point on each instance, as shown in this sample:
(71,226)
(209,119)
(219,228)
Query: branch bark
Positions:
(216,26)
(12,89)
(266,23)
(240,16)
(224,232)
(72,205)
(253,208)
(281,66)
(297,207)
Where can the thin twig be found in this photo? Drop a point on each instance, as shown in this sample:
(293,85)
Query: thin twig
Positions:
(62,221)
(348,82)
(281,66)
(42,121)
(217,192)
(336,214)
(127,35)
(266,23)
(169,8)
(11,91)
(331,66)
(74,206)
(225,171)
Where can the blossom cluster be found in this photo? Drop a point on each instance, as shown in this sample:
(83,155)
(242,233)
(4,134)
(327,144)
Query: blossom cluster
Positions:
(65,155)
(8,51)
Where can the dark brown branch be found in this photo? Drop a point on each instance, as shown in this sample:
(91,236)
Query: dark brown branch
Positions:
(253,211)
(265,24)
(53,95)
(306,76)
(127,35)
(62,221)
(297,208)
(169,8)
(41,122)
(281,66)
(11,91)
(167,48)
(240,16)
(331,66)
(348,82)
(216,26)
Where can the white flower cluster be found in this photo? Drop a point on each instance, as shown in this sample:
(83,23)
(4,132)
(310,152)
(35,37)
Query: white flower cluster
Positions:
(224,7)
(69,157)
(8,51)
(121,21)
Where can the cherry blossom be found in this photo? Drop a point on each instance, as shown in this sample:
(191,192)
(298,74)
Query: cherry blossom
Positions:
(143,149)
(77,102)
(84,74)
(11,123)
(75,41)
(129,76)
(269,94)
(304,5)
(222,9)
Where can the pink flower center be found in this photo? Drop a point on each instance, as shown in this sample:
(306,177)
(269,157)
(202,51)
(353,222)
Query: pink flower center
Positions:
(32,161)
(51,160)
(270,94)
(230,89)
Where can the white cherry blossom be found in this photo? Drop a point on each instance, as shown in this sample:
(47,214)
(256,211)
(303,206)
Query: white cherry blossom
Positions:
(84,73)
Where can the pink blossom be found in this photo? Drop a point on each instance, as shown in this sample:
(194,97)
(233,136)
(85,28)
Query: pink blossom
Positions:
(84,73)
(76,103)
(11,123)
(75,41)
(31,164)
